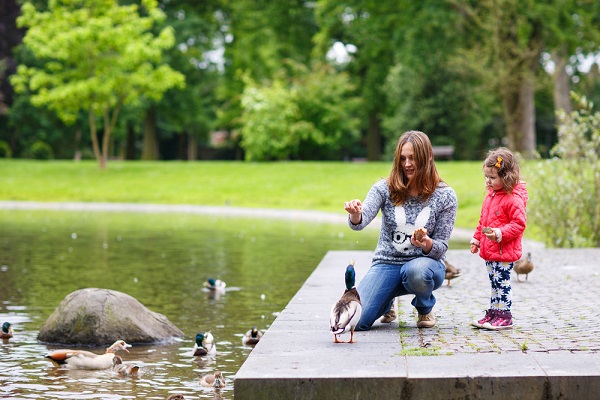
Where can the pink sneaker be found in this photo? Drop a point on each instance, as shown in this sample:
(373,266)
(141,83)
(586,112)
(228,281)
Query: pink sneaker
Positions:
(503,320)
(489,315)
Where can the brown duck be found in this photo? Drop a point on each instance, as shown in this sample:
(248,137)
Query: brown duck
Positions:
(523,266)
(451,272)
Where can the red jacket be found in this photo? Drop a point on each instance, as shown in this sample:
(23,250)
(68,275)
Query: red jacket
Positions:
(505,211)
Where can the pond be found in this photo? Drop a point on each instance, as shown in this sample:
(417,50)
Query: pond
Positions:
(162,260)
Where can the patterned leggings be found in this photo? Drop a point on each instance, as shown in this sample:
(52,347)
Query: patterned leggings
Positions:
(499,273)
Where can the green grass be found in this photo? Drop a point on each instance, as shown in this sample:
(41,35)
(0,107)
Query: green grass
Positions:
(322,186)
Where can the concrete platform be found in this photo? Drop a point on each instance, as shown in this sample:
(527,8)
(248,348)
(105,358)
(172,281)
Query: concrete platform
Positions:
(553,352)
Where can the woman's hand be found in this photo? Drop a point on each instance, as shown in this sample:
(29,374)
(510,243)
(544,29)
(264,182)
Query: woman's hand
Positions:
(425,244)
(354,208)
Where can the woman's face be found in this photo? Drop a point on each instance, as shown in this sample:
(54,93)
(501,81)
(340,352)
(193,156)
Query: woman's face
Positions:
(407,160)
(492,180)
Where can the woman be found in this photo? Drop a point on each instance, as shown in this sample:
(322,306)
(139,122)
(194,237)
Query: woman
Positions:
(412,197)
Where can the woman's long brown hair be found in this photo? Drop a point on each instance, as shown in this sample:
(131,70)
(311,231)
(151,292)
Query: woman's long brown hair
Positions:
(426,177)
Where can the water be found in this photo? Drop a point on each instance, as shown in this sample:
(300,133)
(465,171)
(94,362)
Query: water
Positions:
(162,260)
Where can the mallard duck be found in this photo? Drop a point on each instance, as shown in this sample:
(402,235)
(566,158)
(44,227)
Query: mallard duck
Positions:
(205,345)
(81,359)
(252,336)
(215,380)
(523,266)
(213,284)
(451,272)
(7,331)
(124,369)
(346,312)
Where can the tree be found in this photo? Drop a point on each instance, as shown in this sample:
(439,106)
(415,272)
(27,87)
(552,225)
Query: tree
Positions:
(369,26)
(309,117)
(98,56)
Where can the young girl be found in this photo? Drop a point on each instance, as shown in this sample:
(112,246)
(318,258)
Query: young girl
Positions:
(404,262)
(499,233)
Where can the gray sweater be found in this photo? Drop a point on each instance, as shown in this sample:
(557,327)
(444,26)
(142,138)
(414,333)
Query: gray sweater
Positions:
(437,214)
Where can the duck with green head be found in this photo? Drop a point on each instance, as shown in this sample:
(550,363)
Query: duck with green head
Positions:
(205,345)
(346,312)
(252,337)
(7,331)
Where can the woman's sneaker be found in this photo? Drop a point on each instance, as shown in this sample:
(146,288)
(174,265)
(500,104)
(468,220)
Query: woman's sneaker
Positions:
(489,315)
(503,320)
(389,316)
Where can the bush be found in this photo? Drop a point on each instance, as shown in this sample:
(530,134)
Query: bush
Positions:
(565,200)
(5,151)
(41,151)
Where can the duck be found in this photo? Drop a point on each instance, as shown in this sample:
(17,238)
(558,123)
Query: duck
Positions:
(346,312)
(81,359)
(451,272)
(216,285)
(252,336)
(215,380)
(523,266)
(205,345)
(7,331)
(124,369)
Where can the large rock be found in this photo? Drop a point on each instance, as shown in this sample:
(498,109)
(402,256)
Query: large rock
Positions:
(98,317)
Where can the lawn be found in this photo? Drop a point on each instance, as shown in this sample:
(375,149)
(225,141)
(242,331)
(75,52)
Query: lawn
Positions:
(322,186)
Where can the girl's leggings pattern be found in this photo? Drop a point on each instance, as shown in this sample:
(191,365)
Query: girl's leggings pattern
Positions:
(499,273)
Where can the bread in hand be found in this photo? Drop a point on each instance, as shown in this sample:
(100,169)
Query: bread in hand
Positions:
(419,234)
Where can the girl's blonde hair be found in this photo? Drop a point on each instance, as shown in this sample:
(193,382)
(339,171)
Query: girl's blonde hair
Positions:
(426,177)
(505,162)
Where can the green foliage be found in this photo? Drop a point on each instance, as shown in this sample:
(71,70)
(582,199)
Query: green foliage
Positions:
(565,199)
(41,151)
(97,56)
(308,117)
(5,151)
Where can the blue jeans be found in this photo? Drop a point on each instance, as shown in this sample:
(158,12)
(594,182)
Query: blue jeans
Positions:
(384,282)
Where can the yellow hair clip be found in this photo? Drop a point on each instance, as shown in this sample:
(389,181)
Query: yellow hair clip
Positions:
(497,165)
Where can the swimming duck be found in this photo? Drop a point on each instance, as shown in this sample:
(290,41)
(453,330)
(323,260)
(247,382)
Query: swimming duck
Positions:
(215,380)
(205,345)
(7,331)
(451,272)
(348,309)
(213,284)
(252,336)
(81,359)
(523,266)
(124,369)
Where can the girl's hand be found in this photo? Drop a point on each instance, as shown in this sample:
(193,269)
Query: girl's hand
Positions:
(474,249)
(354,208)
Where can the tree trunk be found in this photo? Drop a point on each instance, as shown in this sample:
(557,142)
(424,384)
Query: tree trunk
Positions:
(562,96)
(519,114)
(374,138)
(95,145)
(150,144)
(192,148)
(130,143)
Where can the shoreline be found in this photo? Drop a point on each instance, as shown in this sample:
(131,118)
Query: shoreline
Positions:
(461,234)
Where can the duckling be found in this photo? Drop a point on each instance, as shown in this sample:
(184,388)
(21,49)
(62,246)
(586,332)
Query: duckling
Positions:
(205,345)
(523,267)
(81,359)
(213,284)
(124,369)
(451,272)
(346,312)
(252,336)
(7,331)
(215,380)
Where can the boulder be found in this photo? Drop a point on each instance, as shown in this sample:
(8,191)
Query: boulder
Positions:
(97,317)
